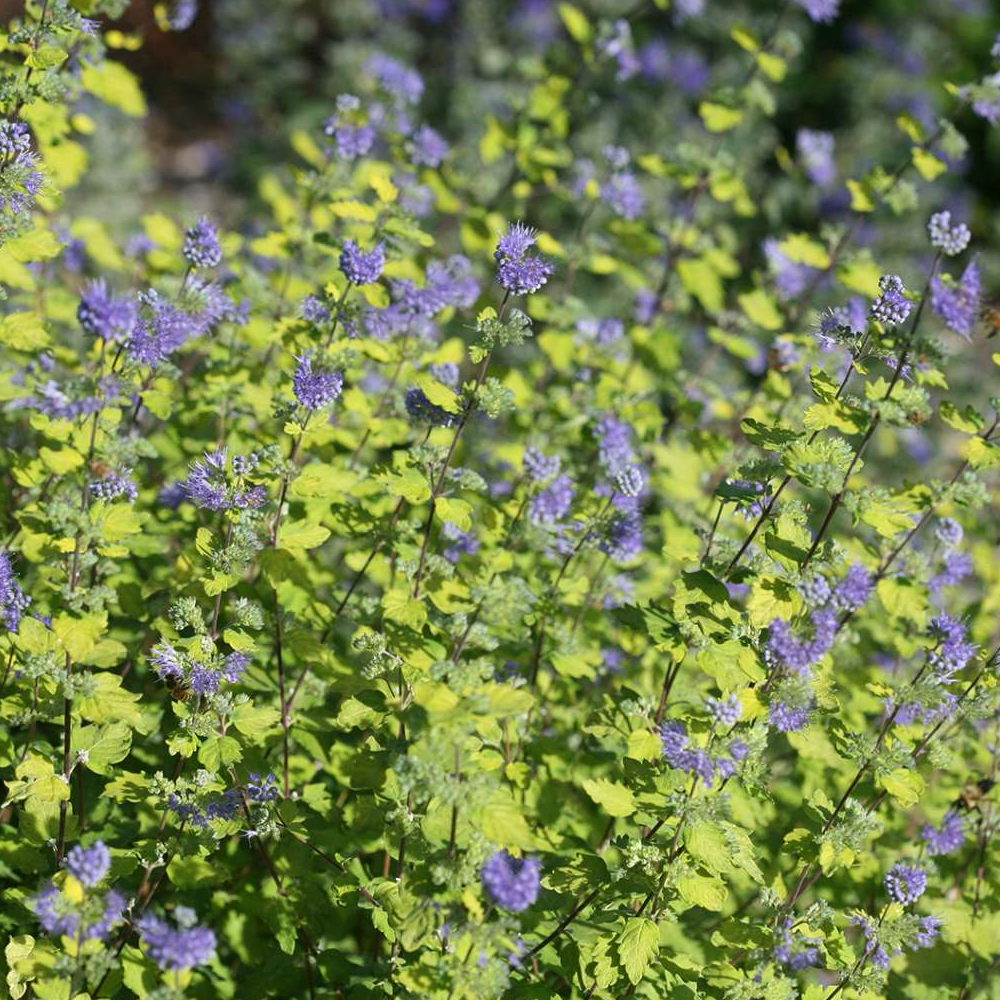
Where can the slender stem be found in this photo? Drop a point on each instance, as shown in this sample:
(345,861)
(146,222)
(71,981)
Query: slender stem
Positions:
(838,497)
(668,682)
(456,650)
(711,534)
(454,809)
(283,492)
(333,862)
(439,482)
(336,316)
(281,695)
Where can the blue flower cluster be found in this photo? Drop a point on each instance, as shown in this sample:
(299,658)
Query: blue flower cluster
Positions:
(519,271)
(699,762)
(13,600)
(175,948)
(209,484)
(512,883)
(203,678)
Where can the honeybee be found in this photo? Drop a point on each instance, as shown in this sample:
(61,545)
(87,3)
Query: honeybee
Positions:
(973,793)
(177,688)
(990,315)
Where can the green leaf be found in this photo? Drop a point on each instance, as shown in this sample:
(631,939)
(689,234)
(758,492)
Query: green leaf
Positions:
(802,249)
(772,438)
(639,943)
(904,786)
(103,745)
(457,512)
(719,118)
(187,873)
(708,893)
(643,745)
(113,84)
(576,23)
(255,722)
(502,823)
(928,165)
(614,798)
(439,394)
(219,751)
(302,535)
(706,842)
(23,331)
(410,484)
(109,702)
(702,281)
(761,309)
(400,606)
(78,636)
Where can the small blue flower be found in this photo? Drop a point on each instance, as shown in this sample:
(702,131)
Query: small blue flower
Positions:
(362,268)
(201,245)
(905,883)
(314,388)
(88,865)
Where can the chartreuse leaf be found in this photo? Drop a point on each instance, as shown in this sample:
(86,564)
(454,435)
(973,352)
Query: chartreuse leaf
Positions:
(302,535)
(502,823)
(719,118)
(400,606)
(981,454)
(903,785)
(439,394)
(613,797)
(698,890)
(928,165)
(103,745)
(643,745)
(638,945)
(967,419)
(109,702)
(409,484)
(703,282)
(576,23)
(78,636)
(760,309)
(457,512)
(219,751)
(802,249)
(113,84)
(35,778)
(255,721)
(707,843)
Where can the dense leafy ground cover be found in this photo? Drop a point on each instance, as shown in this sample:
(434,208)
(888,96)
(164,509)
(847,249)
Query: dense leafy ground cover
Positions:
(528,530)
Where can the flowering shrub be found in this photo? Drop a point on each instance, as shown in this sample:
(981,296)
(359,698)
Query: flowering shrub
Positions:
(541,545)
